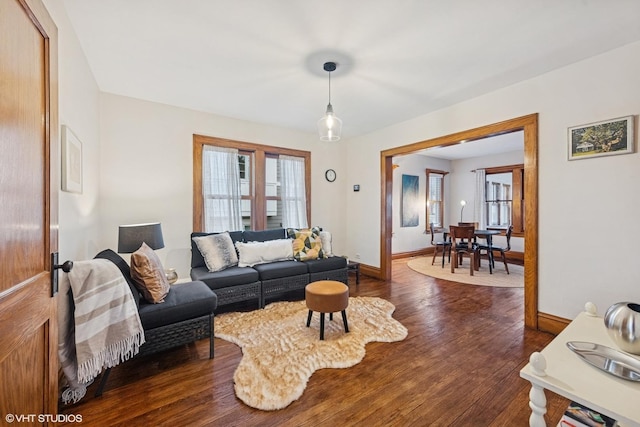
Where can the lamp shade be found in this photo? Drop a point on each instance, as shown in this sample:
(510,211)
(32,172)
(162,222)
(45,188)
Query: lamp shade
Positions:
(329,126)
(131,237)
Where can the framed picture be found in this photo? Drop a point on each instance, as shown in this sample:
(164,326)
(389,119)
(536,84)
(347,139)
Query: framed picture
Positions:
(71,161)
(410,202)
(606,138)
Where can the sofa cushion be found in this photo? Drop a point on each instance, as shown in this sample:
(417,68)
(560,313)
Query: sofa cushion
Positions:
(264,235)
(124,268)
(280,269)
(306,243)
(231,276)
(326,264)
(197,260)
(183,302)
(148,275)
(218,251)
(252,253)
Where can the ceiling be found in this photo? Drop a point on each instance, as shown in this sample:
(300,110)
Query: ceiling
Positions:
(513,141)
(261,60)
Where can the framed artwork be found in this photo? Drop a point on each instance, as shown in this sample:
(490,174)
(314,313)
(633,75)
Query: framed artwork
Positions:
(410,206)
(71,161)
(606,138)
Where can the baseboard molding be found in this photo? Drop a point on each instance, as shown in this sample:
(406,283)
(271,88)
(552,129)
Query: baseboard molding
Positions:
(418,252)
(515,257)
(552,324)
(370,271)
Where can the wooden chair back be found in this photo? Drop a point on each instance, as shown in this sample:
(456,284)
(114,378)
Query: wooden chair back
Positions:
(468,224)
(462,243)
(462,234)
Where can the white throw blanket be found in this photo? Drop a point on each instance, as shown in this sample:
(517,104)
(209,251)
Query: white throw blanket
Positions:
(98,323)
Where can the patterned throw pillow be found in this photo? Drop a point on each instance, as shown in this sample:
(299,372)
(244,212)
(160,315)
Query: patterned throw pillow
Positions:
(217,250)
(148,275)
(306,243)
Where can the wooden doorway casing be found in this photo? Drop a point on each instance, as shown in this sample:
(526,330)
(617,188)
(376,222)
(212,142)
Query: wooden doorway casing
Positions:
(29,217)
(528,124)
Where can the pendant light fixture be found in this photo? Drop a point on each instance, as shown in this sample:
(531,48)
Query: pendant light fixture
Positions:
(329,126)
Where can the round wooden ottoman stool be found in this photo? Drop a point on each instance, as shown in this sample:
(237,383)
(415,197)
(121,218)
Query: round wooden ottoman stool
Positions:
(327,296)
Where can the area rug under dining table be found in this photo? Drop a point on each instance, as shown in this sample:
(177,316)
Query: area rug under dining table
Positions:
(481,277)
(280,353)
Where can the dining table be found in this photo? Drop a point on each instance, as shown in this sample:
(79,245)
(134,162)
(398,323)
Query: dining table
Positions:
(482,234)
(488,236)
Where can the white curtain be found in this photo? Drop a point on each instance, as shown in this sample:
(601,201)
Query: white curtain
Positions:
(221,189)
(293,192)
(479,210)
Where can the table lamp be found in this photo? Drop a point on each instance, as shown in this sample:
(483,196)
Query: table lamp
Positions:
(131,237)
(462,203)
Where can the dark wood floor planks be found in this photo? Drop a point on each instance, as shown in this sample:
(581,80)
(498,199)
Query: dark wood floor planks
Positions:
(458,366)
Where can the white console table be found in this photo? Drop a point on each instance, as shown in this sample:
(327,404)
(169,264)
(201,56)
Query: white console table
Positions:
(558,369)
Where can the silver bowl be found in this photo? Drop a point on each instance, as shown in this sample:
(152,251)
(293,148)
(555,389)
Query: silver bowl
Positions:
(622,321)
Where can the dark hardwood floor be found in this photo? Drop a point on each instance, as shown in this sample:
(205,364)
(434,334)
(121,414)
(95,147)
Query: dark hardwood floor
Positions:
(459,366)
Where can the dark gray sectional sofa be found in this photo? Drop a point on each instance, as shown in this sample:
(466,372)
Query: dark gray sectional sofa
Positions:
(263,282)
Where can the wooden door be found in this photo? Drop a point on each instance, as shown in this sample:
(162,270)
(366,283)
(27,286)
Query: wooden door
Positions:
(28,212)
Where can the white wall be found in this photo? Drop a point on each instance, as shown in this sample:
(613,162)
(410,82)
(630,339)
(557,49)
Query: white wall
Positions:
(575,198)
(407,239)
(147,166)
(79,214)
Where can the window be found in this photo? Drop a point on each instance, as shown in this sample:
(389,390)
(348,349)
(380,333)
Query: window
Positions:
(259,170)
(498,200)
(221,197)
(504,197)
(435,197)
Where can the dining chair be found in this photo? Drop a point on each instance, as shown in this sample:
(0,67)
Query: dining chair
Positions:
(445,245)
(462,243)
(502,250)
(468,224)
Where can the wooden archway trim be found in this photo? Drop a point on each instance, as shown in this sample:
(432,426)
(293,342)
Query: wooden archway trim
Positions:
(528,124)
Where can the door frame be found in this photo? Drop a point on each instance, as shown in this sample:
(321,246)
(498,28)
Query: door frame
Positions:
(528,124)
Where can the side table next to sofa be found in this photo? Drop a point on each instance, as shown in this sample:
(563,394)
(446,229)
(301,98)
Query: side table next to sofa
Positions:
(355,267)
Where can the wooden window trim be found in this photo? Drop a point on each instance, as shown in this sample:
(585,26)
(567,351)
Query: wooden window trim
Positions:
(517,194)
(438,172)
(259,152)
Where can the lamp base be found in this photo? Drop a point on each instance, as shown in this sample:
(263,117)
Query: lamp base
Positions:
(171,275)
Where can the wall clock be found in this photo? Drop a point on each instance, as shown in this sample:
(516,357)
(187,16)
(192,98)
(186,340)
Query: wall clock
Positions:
(330,175)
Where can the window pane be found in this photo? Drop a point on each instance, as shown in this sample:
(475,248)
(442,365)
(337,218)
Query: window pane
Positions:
(272,193)
(435,195)
(498,199)
(244,163)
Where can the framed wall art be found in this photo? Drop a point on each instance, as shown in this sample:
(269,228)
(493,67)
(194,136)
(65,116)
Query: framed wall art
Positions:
(605,138)
(410,202)
(71,161)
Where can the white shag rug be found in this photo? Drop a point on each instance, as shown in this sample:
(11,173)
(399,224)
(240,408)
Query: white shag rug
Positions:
(280,353)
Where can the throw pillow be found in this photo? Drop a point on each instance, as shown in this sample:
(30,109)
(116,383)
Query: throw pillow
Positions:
(325,237)
(306,244)
(252,253)
(217,250)
(148,275)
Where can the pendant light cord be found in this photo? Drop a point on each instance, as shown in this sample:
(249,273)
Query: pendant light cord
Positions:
(329,87)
